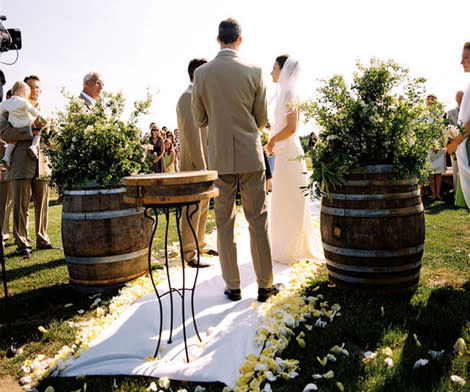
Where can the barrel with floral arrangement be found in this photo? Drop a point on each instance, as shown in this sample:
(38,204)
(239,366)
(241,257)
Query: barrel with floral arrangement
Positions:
(368,165)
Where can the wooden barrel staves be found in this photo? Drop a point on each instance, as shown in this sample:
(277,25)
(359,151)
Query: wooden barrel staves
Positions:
(372,230)
(105,239)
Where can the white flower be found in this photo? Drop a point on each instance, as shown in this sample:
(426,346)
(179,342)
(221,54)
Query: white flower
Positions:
(389,362)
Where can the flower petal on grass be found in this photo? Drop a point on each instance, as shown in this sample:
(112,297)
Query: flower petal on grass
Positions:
(460,346)
(436,354)
(310,387)
(458,380)
(329,374)
(420,363)
(389,362)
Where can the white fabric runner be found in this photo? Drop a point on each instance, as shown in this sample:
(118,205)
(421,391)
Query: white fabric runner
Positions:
(227,328)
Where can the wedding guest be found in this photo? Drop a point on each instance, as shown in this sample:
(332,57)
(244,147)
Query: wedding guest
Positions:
(5,191)
(193,157)
(453,116)
(156,141)
(169,156)
(5,196)
(290,223)
(28,178)
(92,87)
(312,140)
(437,160)
(176,132)
(229,96)
(460,143)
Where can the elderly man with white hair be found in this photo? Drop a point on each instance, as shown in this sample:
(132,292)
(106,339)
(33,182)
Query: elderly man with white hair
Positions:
(92,87)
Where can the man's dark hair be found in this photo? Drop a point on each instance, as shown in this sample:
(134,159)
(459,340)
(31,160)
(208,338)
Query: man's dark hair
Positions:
(467,45)
(193,65)
(229,31)
(31,77)
(281,60)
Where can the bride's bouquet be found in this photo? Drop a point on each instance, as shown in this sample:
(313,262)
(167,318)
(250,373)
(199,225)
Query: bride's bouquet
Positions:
(451,132)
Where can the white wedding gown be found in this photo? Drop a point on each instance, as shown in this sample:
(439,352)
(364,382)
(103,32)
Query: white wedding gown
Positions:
(291,226)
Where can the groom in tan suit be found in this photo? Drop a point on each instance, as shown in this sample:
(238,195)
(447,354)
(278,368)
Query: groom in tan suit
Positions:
(229,96)
(193,157)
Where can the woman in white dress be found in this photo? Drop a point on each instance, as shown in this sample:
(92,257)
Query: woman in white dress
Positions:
(290,223)
(461,142)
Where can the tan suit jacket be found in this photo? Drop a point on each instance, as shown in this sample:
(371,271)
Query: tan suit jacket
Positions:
(193,156)
(229,96)
(234,94)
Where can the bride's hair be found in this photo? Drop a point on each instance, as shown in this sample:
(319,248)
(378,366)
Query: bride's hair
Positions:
(281,60)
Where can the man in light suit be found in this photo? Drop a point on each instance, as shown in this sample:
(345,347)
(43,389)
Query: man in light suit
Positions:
(453,116)
(193,156)
(92,87)
(229,96)
(28,178)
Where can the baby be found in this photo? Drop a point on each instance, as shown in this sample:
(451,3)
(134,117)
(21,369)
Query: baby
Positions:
(21,114)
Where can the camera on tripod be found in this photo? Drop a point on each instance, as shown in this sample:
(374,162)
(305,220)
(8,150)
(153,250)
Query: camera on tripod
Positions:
(9,38)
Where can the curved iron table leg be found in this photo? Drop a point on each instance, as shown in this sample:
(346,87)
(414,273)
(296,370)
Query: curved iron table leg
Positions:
(155,224)
(170,289)
(189,217)
(181,292)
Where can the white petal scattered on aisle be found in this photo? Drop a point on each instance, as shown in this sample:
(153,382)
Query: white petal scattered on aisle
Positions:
(227,328)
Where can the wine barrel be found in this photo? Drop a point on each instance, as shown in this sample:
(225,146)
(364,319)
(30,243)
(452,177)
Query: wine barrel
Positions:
(372,230)
(105,239)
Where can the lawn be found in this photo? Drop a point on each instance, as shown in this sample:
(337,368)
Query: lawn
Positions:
(402,328)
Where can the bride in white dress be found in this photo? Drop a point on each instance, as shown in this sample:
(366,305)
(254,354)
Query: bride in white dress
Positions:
(290,223)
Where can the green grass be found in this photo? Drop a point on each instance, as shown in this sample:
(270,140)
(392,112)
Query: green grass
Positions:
(437,313)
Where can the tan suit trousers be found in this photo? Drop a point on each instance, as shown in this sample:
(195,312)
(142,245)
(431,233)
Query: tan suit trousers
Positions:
(253,198)
(21,191)
(5,208)
(198,222)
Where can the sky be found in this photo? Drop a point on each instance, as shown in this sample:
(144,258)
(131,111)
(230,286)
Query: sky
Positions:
(143,44)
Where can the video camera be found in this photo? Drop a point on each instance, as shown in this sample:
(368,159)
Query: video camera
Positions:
(9,38)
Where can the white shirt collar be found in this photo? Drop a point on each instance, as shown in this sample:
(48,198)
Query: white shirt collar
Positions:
(228,50)
(88,97)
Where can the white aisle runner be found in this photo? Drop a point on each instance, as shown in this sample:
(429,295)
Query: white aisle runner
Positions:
(227,328)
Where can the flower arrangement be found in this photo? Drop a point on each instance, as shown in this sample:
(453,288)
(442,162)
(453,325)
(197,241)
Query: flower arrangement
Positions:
(380,119)
(95,143)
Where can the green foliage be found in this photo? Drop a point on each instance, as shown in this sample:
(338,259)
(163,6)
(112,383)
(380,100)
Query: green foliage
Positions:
(96,144)
(380,119)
